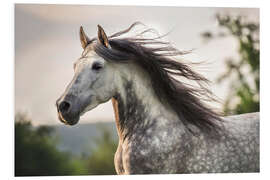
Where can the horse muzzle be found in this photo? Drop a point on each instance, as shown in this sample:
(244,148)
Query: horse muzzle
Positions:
(68,110)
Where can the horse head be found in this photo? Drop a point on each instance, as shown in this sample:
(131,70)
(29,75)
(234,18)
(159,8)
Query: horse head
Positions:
(92,83)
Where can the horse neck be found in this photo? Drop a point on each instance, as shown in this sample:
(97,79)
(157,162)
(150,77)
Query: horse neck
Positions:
(136,106)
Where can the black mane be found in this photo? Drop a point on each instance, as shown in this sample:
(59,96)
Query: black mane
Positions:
(156,58)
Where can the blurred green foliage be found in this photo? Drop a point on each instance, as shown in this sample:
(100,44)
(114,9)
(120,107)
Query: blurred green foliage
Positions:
(101,160)
(243,73)
(36,153)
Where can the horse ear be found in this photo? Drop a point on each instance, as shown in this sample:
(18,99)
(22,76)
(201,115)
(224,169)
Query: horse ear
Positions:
(84,39)
(102,37)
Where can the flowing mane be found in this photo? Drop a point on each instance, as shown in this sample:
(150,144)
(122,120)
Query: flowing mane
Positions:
(156,58)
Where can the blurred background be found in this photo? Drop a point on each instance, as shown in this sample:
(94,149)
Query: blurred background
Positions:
(47,43)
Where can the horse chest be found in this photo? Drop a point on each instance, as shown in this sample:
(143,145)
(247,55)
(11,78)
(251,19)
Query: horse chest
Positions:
(149,146)
(131,158)
(149,154)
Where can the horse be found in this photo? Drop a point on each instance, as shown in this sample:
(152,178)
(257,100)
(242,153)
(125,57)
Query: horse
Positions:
(163,123)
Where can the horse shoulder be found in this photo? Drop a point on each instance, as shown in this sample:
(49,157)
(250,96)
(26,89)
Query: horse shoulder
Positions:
(152,152)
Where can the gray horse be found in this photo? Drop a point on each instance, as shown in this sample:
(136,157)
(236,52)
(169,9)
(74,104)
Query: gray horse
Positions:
(162,123)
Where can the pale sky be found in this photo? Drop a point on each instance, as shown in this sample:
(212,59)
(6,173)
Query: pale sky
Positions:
(47,43)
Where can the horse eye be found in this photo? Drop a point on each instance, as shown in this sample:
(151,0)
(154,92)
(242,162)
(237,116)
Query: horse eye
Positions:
(97,66)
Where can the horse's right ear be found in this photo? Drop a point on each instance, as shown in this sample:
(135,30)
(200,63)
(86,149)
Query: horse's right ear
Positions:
(102,37)
(84,39)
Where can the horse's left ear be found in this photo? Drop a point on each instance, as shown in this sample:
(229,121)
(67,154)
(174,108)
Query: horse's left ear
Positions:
(84,39)
(102,37)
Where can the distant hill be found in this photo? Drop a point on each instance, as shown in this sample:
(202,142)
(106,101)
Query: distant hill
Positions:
(80,138)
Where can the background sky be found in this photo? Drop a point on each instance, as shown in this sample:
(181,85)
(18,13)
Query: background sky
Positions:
(47,43)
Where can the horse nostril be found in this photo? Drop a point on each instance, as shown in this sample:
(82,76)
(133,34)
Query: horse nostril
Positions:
(64,106)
